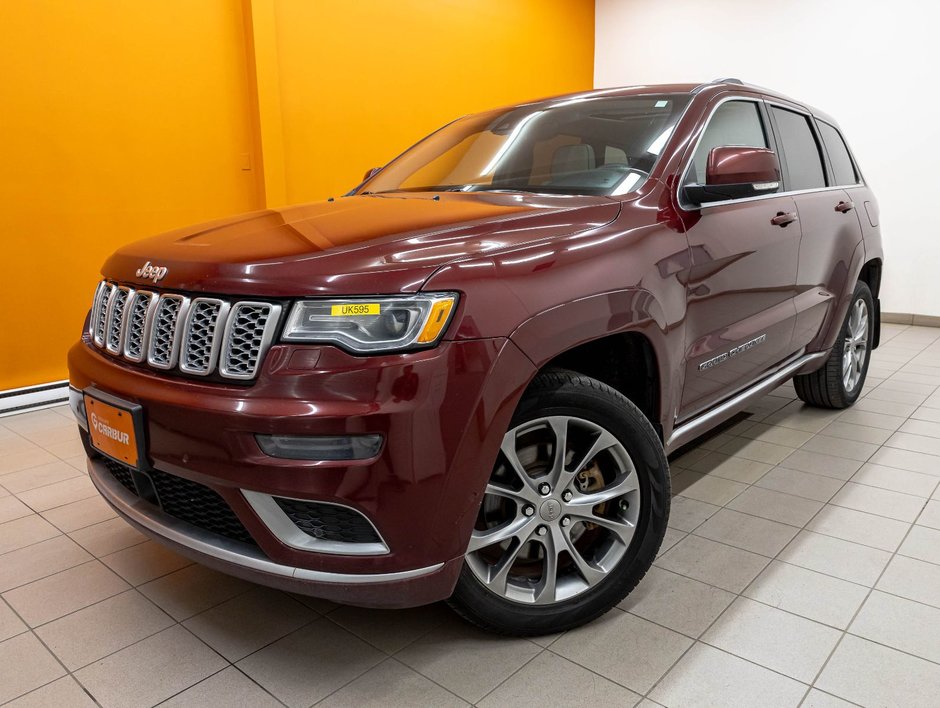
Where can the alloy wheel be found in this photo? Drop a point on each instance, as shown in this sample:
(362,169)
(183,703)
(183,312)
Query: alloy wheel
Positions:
(855,349)
(558,514)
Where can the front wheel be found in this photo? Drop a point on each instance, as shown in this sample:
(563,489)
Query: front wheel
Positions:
(573,514)
(838,384)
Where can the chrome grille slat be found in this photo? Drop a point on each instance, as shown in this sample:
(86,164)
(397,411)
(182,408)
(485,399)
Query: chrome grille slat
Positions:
(163,347)
(140,315)
(200,347)
(117,307)
(101,317)
(248,333)
(103,287)
(167,331)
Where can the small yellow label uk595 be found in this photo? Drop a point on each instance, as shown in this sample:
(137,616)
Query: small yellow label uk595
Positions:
(353,309)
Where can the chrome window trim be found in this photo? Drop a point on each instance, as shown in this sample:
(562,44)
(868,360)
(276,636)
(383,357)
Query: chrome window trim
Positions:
(848,150)
(745,200)
(267,336)
(756,100)
(177,333)
(817,138)
(279,524)
(148,321)
(759,197)
(156,523)
(122,328)
(216,344)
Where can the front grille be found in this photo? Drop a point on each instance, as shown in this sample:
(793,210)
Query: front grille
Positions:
(163,339)
(200,345)
(198,505)
(116,306)
(247,328)
(139,315)
(199,336)
(99,315)
(122,473)
(187,501)
(329,522)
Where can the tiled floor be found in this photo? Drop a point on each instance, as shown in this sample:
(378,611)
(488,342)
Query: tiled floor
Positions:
(802,566)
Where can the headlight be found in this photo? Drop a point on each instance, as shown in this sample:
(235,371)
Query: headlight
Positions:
(368,325)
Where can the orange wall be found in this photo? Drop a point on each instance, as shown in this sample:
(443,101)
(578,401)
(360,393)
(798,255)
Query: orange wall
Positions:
(121,119)
(118,119)
(361,81)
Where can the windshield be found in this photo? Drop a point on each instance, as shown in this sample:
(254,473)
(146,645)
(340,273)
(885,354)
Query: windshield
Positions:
(594,146)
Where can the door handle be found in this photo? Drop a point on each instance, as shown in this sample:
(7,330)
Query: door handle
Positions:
(783,218)
(843,207)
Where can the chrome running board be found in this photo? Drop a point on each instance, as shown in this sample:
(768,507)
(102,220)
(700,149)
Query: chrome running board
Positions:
(691,429)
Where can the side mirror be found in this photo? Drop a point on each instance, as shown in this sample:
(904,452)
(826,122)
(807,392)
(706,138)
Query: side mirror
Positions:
(371,173)
(736,172)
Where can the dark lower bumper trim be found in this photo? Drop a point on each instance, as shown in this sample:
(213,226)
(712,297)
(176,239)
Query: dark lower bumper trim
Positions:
(229,552)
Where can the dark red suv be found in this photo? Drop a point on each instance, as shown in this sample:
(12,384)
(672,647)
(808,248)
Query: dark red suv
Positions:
(461,379)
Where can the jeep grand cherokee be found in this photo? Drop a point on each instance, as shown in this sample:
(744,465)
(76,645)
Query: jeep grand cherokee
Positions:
(461,380)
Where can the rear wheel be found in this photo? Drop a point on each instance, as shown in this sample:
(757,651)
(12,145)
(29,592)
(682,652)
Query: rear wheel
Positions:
(573,514)
(838,384)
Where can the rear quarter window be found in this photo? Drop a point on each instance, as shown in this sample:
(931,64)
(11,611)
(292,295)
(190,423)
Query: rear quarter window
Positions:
(842,167)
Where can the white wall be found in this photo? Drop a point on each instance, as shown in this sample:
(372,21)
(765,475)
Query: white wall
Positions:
(872,65)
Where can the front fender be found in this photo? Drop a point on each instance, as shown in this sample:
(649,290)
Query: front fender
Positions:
(557,330)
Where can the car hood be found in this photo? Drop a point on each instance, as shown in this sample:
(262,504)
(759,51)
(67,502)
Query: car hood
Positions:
(383,243)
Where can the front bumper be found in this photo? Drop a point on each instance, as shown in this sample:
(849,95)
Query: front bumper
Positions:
(442,413)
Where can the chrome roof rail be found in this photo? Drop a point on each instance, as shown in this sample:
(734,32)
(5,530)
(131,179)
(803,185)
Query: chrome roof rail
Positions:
(713,82)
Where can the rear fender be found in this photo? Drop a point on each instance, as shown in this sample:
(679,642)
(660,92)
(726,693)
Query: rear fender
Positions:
(843,285)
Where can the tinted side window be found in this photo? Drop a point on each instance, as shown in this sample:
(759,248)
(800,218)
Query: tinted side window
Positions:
(842,168)
(804,163)
(734,123)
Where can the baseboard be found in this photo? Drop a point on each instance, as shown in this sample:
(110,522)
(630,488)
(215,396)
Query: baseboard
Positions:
(18,400)
(905,318)
(927,320)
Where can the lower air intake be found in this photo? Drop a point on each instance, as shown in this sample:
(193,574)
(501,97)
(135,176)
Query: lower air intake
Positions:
(329,522)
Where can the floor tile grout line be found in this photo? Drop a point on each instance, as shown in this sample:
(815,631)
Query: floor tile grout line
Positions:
(216,673)
(792,565)
(799,528)
(608,678)
(495,688)
(78,528)
(133,545)
(845,632)
(832,695)
(373,645)
(47,648)
(112,653)
(40,512)
(177,623)
(740,594)
(393,656)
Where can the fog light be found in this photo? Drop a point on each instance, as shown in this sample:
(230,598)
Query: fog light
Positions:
(321,447)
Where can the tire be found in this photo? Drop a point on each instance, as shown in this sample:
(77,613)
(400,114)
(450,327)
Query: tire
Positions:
(613,475)
(839,382)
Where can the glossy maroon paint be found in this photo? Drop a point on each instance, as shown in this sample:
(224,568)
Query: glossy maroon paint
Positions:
(736,165)
(538,275)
